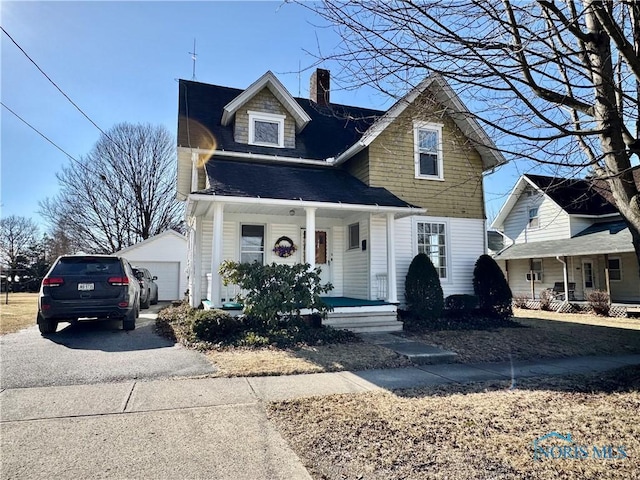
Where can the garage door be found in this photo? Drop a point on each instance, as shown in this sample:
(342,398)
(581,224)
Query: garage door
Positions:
(168,281)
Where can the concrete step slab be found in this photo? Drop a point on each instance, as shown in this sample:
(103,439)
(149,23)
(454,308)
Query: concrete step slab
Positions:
(421,353)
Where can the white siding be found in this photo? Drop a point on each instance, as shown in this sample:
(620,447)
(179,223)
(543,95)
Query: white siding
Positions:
(465,243)
(282,230)
(628,288)
(577,224)
(378,252)
(356,262)
(553,221)
(229,248)
(337,265)
(552,272)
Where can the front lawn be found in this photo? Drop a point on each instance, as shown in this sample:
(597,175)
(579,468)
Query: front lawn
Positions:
(19,313)
(545,335)
(480,431)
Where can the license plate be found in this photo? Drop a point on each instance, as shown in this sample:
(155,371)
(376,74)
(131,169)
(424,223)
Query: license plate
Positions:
(85,286)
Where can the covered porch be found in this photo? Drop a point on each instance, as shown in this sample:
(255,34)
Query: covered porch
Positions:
(354,241)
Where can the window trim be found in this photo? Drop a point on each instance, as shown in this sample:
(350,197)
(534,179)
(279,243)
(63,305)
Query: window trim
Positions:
(447,244)
(619,259)
(350,245)
(538,275)
(267,118)
(264,240)
(531,219)
(434,127)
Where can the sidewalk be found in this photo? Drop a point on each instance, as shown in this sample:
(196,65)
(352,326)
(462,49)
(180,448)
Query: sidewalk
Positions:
(203,427)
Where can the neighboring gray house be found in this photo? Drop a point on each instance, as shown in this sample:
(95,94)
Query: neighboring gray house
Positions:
(566,231)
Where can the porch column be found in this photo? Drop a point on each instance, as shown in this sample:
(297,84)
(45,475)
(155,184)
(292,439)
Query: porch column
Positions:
(196,265)
(216,253)
(533,287)
(607,278)
(392,287)
(310,247)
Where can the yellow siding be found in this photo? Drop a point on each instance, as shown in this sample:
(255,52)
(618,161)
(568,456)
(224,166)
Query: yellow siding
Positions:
(391,165)
(264,101)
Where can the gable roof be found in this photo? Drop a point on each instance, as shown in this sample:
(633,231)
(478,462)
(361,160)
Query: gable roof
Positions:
(574,196)
(331,131)
(283,182)
(268,80)
(489,153)
(149,240)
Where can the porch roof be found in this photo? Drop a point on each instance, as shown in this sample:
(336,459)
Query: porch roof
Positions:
(598,239)
(264,182)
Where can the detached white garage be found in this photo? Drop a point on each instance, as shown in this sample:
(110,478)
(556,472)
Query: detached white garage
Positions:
(165,256)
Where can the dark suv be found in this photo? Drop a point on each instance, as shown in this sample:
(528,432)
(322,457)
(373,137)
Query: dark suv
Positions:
(88,286)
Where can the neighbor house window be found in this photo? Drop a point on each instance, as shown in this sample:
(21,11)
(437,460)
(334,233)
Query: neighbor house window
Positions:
(354,236)
(428,150)
(534,221)
(266,129)
(432,240)
(615,269)
(252,244)
(536,268)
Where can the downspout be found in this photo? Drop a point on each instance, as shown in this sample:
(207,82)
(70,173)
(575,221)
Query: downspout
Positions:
(566,281)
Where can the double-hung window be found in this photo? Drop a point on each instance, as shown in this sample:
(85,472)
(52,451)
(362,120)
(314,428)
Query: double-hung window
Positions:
(428,150)
(252,244)
(534,220)
(266,129)
(615,269)
(354,236)
(432,241)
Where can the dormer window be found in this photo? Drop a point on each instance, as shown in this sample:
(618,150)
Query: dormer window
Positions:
(266,129)
(428,150)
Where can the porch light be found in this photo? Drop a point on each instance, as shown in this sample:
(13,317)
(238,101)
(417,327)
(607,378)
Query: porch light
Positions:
(292,212)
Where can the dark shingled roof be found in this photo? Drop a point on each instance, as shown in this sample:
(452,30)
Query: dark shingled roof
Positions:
(575,196)
(331,131)
(284,182)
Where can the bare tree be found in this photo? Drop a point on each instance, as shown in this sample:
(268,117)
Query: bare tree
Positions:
(17,234)
(557,82)
(122,192)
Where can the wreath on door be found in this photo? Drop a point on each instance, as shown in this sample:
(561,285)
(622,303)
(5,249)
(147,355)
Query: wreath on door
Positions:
(284,247)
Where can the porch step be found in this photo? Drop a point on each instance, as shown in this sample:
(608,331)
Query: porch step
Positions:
(360,322)
(421,353)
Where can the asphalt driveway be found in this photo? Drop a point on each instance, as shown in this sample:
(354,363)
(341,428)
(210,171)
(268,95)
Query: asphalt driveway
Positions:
(90,353)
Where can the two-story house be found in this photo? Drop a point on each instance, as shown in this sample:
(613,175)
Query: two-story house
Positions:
(566,233)
(260,169)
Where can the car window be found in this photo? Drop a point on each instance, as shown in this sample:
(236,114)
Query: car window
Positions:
(87,266)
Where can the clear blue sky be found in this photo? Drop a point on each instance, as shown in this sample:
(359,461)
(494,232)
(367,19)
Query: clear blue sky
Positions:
(119,61)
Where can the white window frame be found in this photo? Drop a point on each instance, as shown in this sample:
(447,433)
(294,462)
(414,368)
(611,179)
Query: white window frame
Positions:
(434,127)
(619,269)
(267,118)
(447,245)
(536,217)
(264,240)
(351,245)
(538,274)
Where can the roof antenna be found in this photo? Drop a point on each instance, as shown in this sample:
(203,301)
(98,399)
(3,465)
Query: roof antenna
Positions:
(194,56)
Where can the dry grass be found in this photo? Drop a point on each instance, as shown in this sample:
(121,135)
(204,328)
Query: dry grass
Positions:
(477,431)
(240,362)
(546,335)
(19,313)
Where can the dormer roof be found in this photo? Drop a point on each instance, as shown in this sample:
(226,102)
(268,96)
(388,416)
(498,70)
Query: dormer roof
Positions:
(268,80)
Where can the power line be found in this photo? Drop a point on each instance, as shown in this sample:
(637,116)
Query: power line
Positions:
(53,83)
(71,157)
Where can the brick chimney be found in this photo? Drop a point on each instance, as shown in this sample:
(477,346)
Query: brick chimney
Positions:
(319,87)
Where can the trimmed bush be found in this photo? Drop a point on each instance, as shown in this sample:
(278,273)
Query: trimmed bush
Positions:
(215,325)
(545,300)
(599,302)
(461,303)
(491,288)
(520,300)
(423,293)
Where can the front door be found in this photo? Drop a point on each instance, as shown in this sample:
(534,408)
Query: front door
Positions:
(323,254)
(588,280)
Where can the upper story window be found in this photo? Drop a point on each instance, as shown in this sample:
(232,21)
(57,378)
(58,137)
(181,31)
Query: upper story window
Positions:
(427,138)
(266,129)
(534,220)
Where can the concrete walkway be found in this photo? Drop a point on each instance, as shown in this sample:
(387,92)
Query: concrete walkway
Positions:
(203,427)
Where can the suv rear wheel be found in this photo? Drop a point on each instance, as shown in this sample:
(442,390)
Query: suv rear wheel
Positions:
(129,322)
(46,326)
